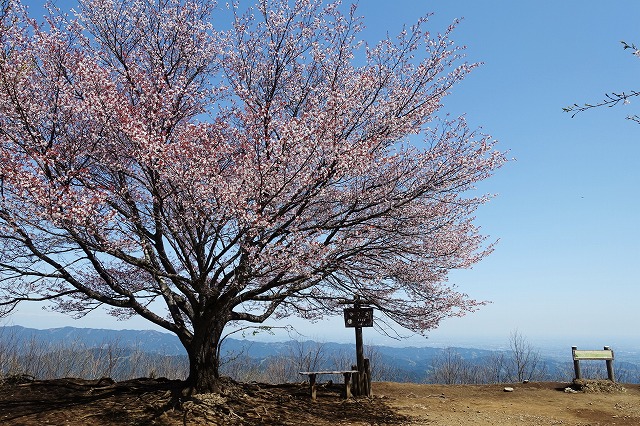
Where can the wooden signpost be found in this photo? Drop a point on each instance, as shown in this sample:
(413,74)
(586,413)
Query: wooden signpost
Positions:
(359,377)
(358,317)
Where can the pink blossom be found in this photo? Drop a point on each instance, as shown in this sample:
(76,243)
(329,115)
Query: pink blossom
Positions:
(270,169)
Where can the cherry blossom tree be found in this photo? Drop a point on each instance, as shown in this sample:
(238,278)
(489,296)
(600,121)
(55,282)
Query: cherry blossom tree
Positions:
(201,172)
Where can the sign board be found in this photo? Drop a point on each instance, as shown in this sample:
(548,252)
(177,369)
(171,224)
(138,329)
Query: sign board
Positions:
(358,317)
(593,355)
(605,355)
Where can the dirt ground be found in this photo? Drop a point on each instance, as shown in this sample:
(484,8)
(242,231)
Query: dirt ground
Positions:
(160,402)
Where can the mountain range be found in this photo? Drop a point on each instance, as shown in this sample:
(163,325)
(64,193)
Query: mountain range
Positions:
(407,363)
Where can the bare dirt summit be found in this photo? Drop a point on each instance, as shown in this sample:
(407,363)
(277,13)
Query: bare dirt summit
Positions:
(24,401)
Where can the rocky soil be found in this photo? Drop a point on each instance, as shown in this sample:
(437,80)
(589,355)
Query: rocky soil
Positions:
(24,401)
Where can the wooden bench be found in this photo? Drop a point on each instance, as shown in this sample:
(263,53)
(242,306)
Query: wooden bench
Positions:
(347,374)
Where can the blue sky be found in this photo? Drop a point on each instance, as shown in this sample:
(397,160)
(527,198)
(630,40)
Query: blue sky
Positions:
(568,261)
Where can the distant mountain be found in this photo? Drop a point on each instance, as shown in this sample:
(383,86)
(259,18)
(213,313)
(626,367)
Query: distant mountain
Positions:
(144,340)
(412,363)
(398,363)
(168,344)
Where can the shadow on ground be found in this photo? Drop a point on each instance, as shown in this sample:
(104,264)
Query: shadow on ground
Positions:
(160,402)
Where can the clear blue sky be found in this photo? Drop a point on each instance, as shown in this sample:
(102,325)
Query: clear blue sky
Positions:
(568,262)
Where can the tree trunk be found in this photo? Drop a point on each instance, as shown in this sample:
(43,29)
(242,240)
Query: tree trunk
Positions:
(204,357)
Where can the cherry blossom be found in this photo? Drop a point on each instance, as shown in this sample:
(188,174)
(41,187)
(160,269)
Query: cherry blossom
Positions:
(159,163)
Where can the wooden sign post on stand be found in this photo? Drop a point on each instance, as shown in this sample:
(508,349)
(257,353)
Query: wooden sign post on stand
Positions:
(358,317)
